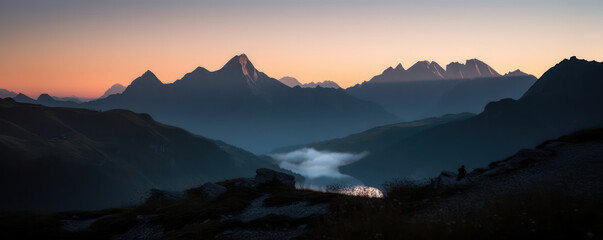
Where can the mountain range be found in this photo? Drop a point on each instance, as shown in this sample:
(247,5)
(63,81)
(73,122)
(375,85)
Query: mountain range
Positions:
(69,158)
(292,82)
(238,103)
(427,90)
(245,107)
(426,70)
(565,99)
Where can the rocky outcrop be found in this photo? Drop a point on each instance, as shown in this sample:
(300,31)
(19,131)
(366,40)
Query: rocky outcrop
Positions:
(521,159)
(264,175)
(208,191)
(212,191)
(158,195)
(446,178)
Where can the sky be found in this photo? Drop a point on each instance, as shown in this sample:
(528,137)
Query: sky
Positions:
(69,47)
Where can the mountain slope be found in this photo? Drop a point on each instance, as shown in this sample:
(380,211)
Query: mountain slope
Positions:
(472,95)
(564,99)
(380,138)
(67,158)
(240,105)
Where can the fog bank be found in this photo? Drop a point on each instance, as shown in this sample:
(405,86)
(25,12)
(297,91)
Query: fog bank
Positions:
(319,168)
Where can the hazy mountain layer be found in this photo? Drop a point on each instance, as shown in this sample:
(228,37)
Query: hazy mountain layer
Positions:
(245,107)
(411,100)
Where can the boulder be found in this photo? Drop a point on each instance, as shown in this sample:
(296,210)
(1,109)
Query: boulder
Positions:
(158,195)
(246,182)
(264,175)
(211,190)
(446,178)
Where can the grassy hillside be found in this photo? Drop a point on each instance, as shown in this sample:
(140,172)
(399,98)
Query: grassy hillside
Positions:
(66,158)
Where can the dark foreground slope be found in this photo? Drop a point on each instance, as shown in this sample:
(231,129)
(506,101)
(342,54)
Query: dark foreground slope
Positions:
(67,158)
(551,192)
(566,98)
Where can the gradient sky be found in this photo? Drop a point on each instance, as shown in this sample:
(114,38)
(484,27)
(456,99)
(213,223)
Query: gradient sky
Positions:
(82,47)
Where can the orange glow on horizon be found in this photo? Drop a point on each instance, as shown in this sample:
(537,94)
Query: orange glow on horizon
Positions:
(82,49)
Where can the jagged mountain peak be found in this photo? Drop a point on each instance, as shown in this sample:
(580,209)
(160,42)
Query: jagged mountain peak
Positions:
(147,77)
(45,97)
(388,70)
(516,73)
(423,64)
(399,67)
(145,82)
(242,62)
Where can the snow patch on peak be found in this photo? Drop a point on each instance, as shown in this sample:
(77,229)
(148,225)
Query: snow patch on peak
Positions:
(251,74)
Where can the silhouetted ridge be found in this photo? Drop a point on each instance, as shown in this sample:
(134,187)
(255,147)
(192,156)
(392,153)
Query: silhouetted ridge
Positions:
(516,73)
(147,82)
(571,78)
(148,79)
(45,98)
(399,67)
(23,98)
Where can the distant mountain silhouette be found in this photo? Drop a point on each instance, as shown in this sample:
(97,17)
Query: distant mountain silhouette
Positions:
(115,89)
(72,99)
(6,93)
(472,68)
(426,70)
(565,99)
(426,89)
(68,158)
(50,101)
(324,84)
(292,82)
(516,73)
(24,98)
(245,107)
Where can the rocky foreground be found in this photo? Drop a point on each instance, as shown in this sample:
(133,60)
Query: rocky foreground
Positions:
(554,191)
